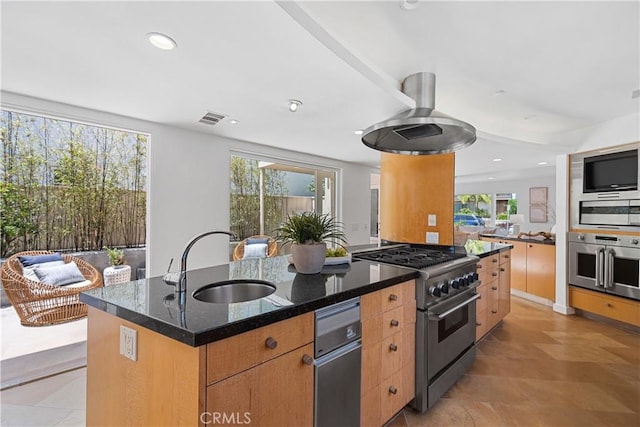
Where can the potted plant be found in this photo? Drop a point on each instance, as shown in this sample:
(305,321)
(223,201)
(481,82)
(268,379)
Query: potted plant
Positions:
(116,257)
(308,233)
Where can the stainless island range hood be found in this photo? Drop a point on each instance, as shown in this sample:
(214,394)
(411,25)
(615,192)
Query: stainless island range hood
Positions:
(420,130)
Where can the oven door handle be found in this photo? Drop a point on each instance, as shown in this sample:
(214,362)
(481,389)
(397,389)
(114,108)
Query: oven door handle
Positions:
(599,267)
(434,316)
(608,281)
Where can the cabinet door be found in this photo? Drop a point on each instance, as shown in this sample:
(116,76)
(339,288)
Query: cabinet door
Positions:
(541,270)
(519,266)
(275,393)
(504,299)
(493,305)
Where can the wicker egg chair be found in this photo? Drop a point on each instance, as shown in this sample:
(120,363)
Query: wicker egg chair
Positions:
(272,247)
(39,304)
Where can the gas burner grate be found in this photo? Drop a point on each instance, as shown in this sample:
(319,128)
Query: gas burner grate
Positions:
(413,257)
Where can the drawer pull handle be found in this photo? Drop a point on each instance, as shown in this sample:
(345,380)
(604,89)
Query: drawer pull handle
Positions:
(393,347)
(478,324)
(530,246)
(495,288)
(393,297)
(271,343)
(478,265)
(494,260)
(609,304)
(494,311)
(505,256)
(393,390)
(501,268)
(307,360)
(394,322)
(494,274)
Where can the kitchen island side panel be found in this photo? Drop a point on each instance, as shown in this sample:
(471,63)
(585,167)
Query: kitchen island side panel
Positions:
(165,386)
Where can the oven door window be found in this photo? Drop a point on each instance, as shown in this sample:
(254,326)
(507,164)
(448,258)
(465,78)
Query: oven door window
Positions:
(586,265)
(626,271)
(454,321)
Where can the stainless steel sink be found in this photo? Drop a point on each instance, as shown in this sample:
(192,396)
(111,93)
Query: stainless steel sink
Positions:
(239,290)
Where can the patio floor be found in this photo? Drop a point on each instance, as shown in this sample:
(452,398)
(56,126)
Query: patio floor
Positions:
(29,353)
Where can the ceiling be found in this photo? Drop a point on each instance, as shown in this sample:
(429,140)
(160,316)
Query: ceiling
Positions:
(523,73)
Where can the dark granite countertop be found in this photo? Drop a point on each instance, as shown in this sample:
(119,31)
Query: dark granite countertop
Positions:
(482,248)
(534,239)
(152,304)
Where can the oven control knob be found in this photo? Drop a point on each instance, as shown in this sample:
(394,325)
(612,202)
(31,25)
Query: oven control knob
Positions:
(473,277)
(634,241)
(464,281)
(444,288)
(434,292)
(455,283)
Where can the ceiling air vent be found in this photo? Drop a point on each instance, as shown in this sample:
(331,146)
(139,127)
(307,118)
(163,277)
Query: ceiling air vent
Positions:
(211,118)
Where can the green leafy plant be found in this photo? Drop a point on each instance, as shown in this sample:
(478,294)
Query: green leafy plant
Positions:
(309,228)
(116,256)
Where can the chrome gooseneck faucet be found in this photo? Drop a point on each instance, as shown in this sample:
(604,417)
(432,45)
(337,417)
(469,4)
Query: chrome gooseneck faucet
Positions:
(179,279)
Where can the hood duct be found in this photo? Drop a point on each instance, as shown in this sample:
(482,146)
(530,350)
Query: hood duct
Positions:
(420,130)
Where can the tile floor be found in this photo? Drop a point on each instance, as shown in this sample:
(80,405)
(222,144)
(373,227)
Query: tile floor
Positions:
(539,368)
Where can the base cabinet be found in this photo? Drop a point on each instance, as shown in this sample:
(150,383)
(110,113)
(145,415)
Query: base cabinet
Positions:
(388,352)
(533,267)
(494,304)
(610,306)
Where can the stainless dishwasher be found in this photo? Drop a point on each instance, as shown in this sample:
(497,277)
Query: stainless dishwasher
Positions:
(338,353)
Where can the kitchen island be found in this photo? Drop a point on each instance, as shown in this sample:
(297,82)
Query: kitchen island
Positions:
(199,363)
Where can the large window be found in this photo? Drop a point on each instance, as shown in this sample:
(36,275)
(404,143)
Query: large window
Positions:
(67,185)
(264,191)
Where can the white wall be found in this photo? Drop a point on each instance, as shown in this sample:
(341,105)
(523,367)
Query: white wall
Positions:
(188,183)
(622,130)
(521,189)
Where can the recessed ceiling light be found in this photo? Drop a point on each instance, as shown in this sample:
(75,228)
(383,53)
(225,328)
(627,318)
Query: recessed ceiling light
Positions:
(497,159)
(161,41)
(490,178)
(294,104)
(359,132)
(234,121)
(499,92)
(408,4)
(543,163)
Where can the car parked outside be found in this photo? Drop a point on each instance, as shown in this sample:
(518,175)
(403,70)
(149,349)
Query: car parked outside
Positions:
(467,219)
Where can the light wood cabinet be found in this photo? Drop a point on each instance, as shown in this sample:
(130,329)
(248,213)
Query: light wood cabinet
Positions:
(388,352)
(533,267)
(242,379)
(610,306)
(494,272)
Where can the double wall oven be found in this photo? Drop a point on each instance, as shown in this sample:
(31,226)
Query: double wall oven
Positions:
(446,314)
(606,263)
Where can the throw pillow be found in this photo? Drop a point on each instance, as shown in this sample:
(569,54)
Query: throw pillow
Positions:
(256,240)
(60,275)
(28,260)
(30,273)
(257,250)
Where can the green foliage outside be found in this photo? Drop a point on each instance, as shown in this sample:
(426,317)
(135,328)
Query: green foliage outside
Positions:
(512,206)
(471,204)
(245,197)
(502,215)
(72,186)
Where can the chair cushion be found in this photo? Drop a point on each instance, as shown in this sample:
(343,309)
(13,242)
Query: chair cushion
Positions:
(256,250)
(29,260)
(60,275)
(256,240)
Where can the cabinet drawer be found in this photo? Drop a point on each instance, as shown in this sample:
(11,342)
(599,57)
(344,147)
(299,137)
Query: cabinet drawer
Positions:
(392,321)
(392,393)
(391,357)
(481,324)
(605,305)
(397,295)
(232,355)
(505,256)
(481,303)
(488,269)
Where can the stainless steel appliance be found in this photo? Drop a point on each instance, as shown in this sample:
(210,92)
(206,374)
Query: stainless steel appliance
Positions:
(606,263)
(446,316)
(604,189)
(338,354)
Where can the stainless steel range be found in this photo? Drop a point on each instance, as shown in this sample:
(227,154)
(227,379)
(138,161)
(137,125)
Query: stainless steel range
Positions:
(446,318)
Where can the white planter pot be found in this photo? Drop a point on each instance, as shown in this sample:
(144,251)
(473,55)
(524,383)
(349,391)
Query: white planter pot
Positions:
(309,259)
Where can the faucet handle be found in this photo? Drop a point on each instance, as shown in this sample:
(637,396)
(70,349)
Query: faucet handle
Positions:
(171,278)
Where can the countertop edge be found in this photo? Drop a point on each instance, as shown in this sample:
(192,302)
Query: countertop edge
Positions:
(197,339)
(516,239)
